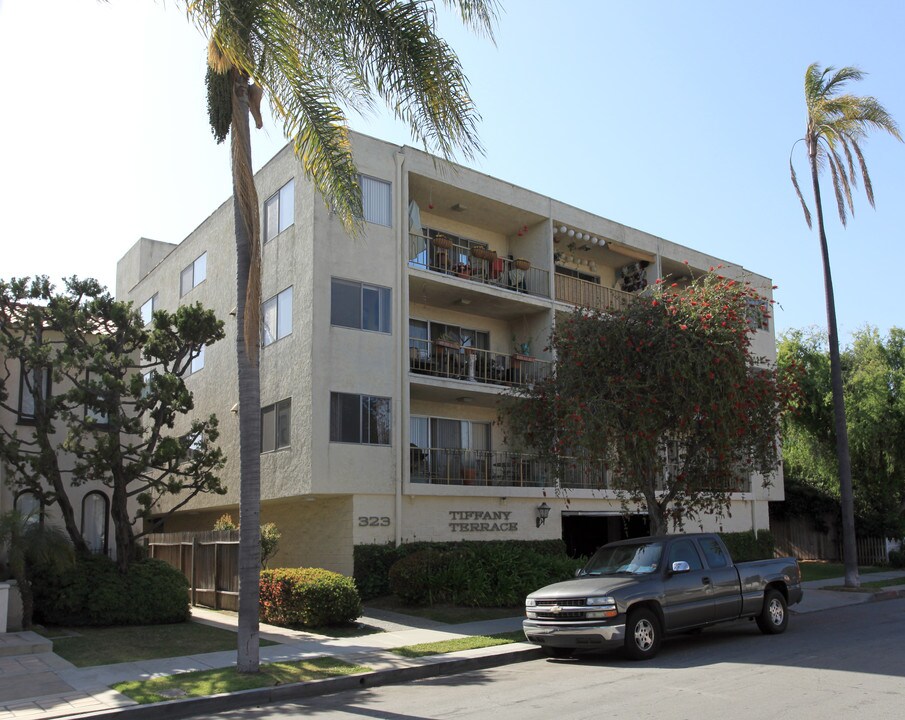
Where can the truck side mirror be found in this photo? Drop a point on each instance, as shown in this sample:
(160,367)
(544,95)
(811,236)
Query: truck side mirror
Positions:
(680,566)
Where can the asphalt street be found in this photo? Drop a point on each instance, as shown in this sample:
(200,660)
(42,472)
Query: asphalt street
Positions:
(842,663)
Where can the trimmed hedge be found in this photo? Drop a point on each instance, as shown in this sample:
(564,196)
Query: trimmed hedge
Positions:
(479,574)
(309,597)
(745,546)
(897,558)
(373,562)
(94,592)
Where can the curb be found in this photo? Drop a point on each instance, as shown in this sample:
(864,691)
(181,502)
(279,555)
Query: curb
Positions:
(313,688)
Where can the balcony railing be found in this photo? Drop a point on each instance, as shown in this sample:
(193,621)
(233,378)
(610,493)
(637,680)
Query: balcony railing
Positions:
(477,264)
(456,466)
(448,360)
(588,294)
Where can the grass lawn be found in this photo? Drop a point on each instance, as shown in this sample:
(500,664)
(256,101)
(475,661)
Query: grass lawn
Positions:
(444,613)
(87,646)
(868,586)
(223,680)
(811,570)
(465,643)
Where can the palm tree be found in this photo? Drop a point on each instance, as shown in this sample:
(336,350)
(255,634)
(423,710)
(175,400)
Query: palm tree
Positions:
(311,58)
(839,122)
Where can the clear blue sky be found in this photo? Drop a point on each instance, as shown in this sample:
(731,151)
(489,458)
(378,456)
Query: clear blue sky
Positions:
(675,118)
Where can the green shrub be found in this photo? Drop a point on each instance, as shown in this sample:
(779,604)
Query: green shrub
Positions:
(745,546)
(373,562)
(309,597)
(897,558)
(94,592)
(478,574)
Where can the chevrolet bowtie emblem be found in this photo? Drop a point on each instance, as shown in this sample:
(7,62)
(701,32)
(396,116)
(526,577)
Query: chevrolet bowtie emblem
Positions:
(555,608)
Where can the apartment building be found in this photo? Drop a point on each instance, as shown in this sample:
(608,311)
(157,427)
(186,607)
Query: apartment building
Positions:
(383,358)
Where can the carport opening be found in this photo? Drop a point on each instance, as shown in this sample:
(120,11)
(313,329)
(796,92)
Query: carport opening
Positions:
(583,533)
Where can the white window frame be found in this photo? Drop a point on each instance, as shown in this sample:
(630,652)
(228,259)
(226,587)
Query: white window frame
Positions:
(26,416)
(280,305)
(384,305)
(284,202)
(198,270)
(197,363)
(278,416)
(376,200)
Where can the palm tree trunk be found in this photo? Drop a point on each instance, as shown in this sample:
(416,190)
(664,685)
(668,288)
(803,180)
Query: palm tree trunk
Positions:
(849,545)
(245,217)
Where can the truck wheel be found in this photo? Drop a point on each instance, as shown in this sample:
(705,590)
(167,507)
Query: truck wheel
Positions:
(642,634)
(563,653)
(774,617)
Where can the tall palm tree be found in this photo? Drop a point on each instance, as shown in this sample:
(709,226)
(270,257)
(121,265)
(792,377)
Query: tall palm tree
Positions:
(310,59)
(839,123)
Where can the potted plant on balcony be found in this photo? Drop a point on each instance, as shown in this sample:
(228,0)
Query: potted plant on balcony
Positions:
(449,340)
(442,242)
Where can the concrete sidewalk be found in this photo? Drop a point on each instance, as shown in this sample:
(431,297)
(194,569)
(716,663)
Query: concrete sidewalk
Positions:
(43,685)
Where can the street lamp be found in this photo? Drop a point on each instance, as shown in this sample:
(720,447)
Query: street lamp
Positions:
(543,512)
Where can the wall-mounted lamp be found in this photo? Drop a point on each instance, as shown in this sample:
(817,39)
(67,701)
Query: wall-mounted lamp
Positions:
(543,512)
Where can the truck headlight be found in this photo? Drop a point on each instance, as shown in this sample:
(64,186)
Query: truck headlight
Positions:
(530,602)
(601,600)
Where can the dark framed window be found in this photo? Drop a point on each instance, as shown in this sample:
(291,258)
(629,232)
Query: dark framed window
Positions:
(685,550)
(276,317)
(197,361)
(360,419)
(30,506)
(193,275)
(279,211)
(276,426)
(28,386)
(95,514)
(360,306)
(94,407)
(716,556)
(147,310)
(376,200)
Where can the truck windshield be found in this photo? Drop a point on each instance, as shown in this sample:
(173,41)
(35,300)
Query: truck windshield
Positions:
(636,559)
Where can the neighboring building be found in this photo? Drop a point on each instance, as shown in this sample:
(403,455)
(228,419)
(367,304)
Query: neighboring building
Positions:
(383,357)
(90,501)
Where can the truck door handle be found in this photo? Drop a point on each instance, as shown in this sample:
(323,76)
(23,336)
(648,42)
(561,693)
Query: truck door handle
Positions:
(705,580)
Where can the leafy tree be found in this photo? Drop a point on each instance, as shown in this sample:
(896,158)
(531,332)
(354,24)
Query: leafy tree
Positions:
(30,543)
(839,123)
(667,392)
(873,370)
(117,389)
(309,58)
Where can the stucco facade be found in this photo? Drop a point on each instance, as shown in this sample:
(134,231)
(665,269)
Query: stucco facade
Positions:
(430,461)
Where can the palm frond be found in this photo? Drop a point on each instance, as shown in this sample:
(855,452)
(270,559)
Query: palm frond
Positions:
(804,205)
(844,181)
(478,15)
(837,188)
(868,186)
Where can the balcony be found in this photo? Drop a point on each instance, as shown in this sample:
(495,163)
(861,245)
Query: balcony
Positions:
(457,466)
(476,263)
(592,295)
(440,358)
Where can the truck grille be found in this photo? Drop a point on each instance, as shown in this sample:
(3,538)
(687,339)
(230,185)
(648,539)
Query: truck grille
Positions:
(570,602)
(566,609)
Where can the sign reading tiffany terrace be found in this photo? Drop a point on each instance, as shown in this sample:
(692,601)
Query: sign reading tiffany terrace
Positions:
(481,521)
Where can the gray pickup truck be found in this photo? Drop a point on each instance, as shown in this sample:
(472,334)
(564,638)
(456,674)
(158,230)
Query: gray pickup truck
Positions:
(631,593)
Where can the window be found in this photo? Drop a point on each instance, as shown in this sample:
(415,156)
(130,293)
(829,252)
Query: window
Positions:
(28,381)
(360,306)
(716,556)
(361,419)
(193,275)
(685,550)
(276,426)
(279,211)
(95,401)
(569,272)
(757,313)
(94,521)
(29,506)
(147,310)
(277,317)
(376,201)
(197,361)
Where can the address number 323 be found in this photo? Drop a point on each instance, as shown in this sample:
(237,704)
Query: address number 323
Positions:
(373,521)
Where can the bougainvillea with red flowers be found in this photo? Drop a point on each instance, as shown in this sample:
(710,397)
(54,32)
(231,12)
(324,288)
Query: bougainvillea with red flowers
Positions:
(668,393)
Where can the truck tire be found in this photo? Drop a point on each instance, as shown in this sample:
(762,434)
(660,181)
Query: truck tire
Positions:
(642,634)
(774,616)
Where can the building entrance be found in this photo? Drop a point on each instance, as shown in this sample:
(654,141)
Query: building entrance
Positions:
(583,533)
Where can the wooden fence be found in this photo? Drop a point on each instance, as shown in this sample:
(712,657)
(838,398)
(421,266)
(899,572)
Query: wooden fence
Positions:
(798,537)
(209,561)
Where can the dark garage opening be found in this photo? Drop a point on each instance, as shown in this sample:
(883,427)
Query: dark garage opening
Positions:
(583,533)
